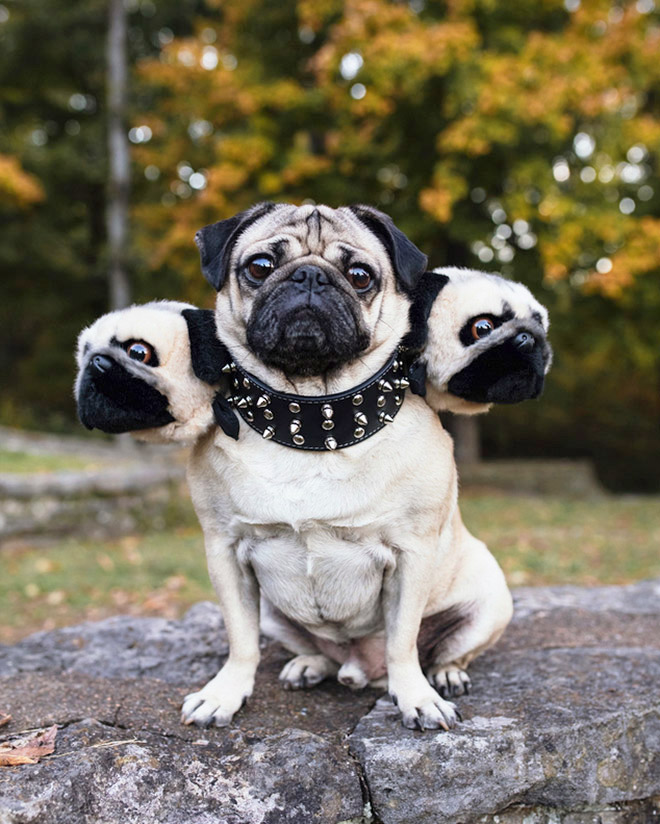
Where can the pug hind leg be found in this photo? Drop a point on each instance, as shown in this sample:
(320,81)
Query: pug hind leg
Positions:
(305,671)
(450,681)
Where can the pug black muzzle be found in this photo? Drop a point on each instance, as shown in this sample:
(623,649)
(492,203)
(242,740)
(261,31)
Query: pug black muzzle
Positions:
(509,372)
(113,400)
(306,324)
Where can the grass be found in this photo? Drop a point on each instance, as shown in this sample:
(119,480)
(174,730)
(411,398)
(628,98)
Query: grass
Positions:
(538,540)
(24,462)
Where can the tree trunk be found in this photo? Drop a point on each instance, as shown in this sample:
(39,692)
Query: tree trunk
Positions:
(464,429)
(119,161)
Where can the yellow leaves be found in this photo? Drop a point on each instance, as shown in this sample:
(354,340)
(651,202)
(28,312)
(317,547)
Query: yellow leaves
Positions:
(638,255)
(28,749)
(448,187)
(18,189)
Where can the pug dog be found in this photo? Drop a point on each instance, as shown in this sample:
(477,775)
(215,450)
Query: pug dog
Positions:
(135,374)
(331,518)
(483,340)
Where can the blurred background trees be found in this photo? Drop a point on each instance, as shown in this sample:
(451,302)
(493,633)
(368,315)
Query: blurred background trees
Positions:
(519,138)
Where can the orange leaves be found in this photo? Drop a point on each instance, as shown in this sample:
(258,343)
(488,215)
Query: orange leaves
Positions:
(18,189)
(28,749)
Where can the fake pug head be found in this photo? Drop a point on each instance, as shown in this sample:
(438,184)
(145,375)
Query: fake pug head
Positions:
(309,290)
(487,341)
(135,373)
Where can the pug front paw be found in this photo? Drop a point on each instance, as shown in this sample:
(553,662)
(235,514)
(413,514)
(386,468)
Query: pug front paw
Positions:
(422,708)
(217,702)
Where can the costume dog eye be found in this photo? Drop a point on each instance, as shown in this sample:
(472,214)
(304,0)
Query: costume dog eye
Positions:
(482,327)
(139,351)
(260,267)
(359,277)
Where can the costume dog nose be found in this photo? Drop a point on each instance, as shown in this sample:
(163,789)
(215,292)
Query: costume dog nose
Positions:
(310,276)
(524,341)
(101,363)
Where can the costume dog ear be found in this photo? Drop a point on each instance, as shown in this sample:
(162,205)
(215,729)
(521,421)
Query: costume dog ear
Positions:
(216,241)
(408,262)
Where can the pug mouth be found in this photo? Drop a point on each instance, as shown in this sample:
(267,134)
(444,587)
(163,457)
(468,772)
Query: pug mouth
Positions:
(503,374)
(306,335)
(112,400)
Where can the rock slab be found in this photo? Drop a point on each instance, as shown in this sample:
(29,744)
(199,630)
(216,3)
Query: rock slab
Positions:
(562,727)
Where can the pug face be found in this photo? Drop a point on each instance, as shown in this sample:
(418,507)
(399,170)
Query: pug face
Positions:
(307,291)
(487,342)
(135,375)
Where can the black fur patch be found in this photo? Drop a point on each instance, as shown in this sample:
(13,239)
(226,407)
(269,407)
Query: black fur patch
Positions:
(115,401)
(427,290)
(225,417)
(436,629)
(408,261)
(208,354)
(502,374)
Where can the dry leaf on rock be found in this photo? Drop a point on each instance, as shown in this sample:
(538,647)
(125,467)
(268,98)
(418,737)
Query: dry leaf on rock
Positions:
(28,750)
(4,719)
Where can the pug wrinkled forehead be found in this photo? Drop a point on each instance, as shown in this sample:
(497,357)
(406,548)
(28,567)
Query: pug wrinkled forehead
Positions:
(135,374)
(307,289)
(487,341)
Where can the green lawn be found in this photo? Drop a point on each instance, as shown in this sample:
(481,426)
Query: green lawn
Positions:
(538,540)
(24,462)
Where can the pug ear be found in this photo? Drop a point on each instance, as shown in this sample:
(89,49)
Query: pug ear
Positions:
(216,241)
(408,261)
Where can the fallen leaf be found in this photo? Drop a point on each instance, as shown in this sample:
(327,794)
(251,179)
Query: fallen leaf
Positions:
(4,719)
(28,750)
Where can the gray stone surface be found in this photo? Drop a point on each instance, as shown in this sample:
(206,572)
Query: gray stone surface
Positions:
(562,727)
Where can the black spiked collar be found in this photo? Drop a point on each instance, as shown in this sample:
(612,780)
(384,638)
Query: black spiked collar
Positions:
(319,423)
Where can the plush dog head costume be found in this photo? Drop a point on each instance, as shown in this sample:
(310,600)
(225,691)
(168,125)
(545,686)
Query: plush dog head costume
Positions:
(486,340)
(307,291)
(135,373)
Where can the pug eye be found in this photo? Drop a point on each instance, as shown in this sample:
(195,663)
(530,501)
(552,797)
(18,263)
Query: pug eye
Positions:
(482,327)
(139,351)
(260,267)
(359,277)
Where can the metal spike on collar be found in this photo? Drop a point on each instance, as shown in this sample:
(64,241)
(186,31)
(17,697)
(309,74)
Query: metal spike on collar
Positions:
(241,403)
(227,368)
(330,443)
(383,417)
(384,386)
(327,411)
(246,383)
(268,433)
(268,415)
(381,401)
(401,383)
(262,400)
(294,407)
(328,425)
(360,418)
(358,432)
(398,400)
(357,399)
(295,426)
(298,440)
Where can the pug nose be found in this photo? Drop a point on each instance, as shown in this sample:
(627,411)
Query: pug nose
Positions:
(524,341)
(101,363)
(310,276)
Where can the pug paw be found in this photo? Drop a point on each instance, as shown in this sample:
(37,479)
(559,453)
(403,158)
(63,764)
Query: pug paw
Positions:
(217,702)
(450,681)
(423,709)
(305,671)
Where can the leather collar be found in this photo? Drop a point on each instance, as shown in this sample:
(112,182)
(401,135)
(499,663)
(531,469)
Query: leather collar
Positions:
(319,423)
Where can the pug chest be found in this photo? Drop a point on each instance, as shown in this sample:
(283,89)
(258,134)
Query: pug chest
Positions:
(329,582)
